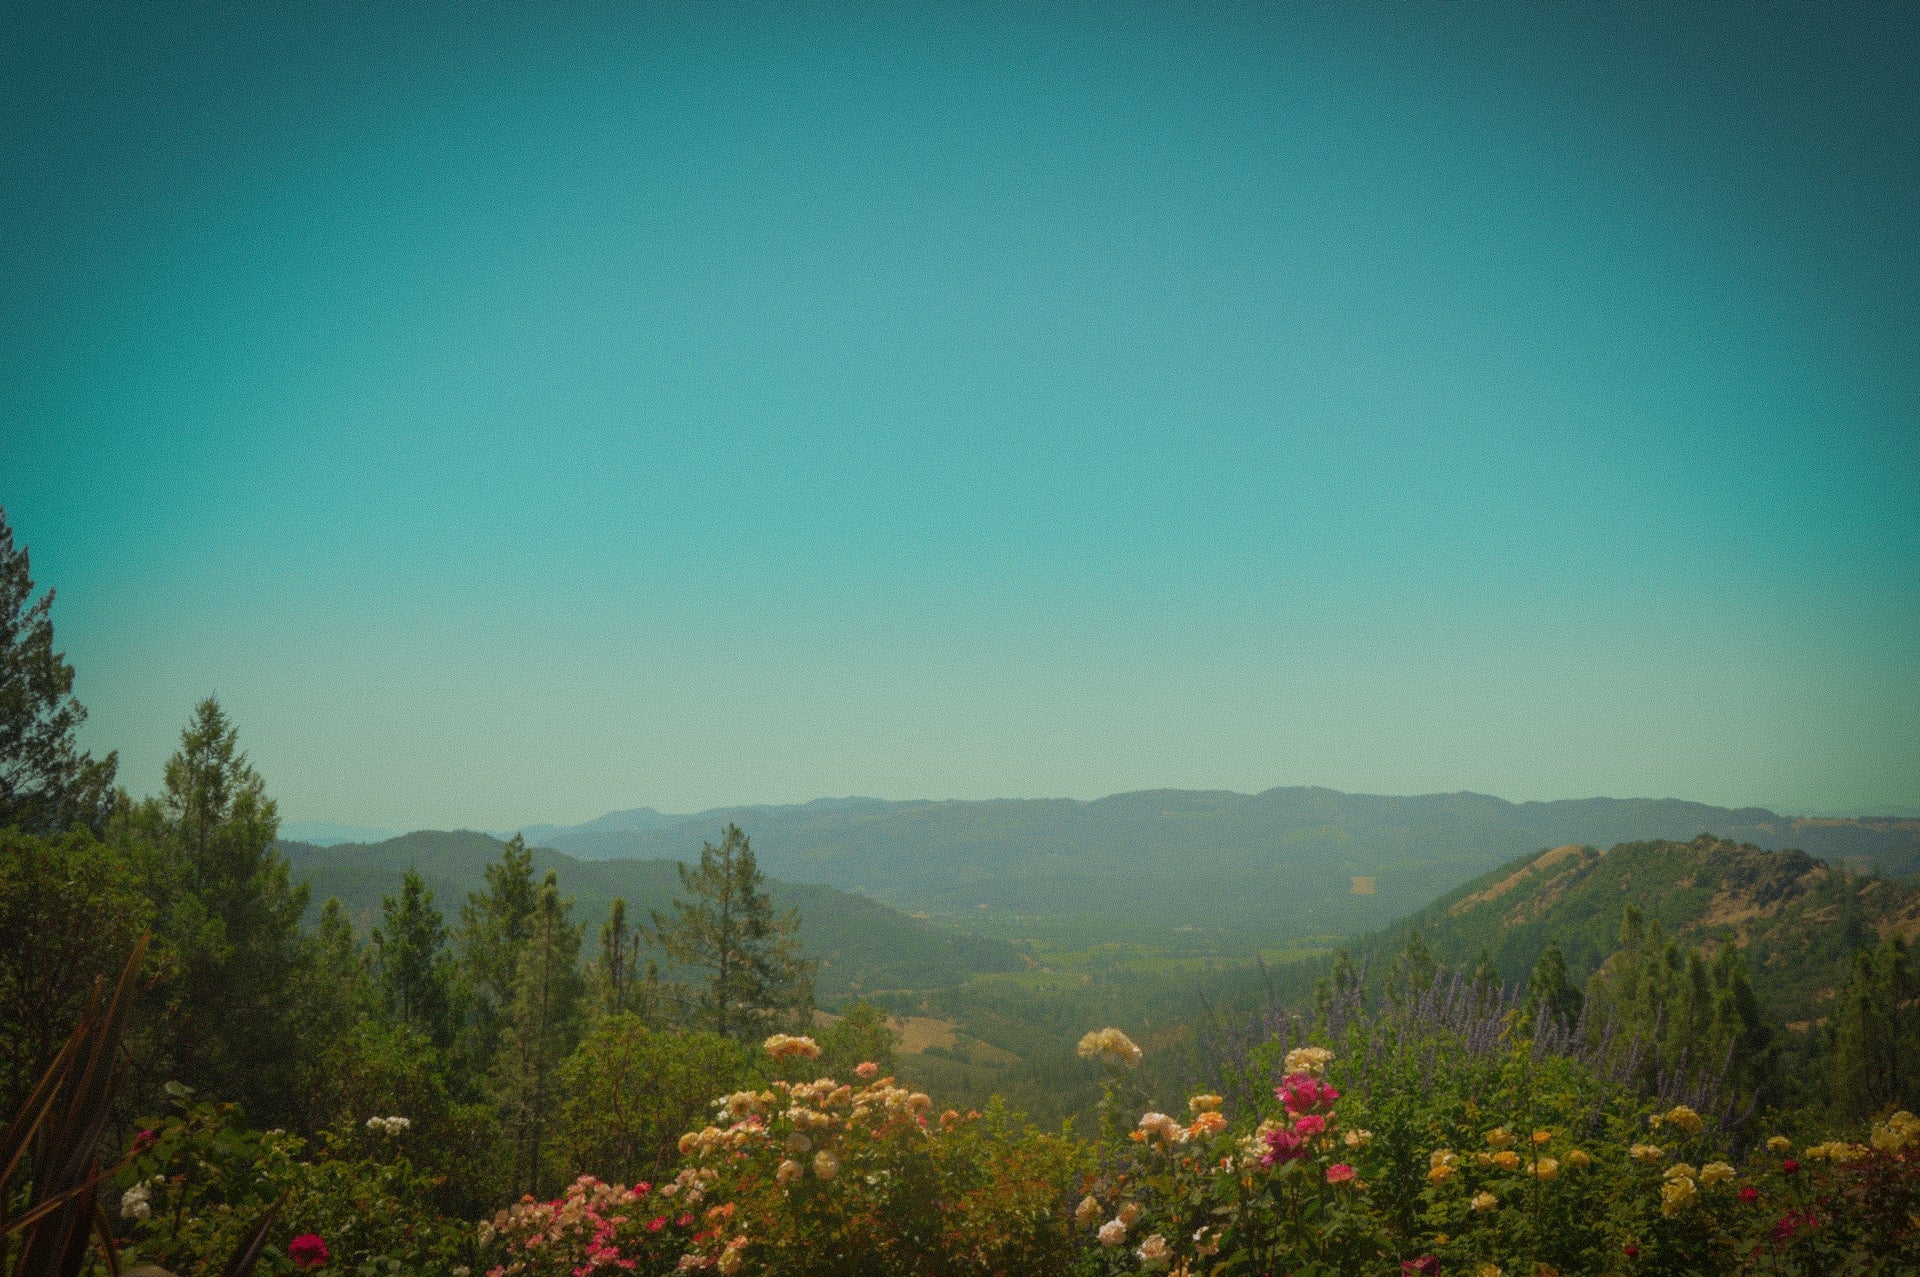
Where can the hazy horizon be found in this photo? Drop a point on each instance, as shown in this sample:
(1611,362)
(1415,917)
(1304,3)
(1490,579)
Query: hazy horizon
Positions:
(311,830)
(502,410)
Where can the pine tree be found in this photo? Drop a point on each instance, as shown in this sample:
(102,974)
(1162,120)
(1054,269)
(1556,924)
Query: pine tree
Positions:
(620,984)
(416,973)
(755,975)
(229,920)
(1551,994)
(542,1027)
(47,783)
(1414,971)
(336,984)
(493,931)
(1874,1033)
(1679,1013)
(1339,984)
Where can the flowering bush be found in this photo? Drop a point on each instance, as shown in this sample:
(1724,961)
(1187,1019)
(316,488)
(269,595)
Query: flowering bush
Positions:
(1499,1163)
(825,1177)
(199,1183)
(592,1227)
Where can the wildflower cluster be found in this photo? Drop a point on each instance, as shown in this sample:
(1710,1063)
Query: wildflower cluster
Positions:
(388,1125)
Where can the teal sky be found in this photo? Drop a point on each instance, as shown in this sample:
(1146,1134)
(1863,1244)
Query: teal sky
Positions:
(518,415)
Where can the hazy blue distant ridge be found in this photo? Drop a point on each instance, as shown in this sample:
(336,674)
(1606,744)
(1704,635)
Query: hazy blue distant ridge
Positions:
(1281,862)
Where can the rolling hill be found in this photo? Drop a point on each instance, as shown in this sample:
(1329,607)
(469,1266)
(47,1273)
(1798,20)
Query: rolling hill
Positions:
(862,945)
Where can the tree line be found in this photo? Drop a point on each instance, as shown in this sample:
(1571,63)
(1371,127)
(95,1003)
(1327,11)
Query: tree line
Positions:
(514,1053)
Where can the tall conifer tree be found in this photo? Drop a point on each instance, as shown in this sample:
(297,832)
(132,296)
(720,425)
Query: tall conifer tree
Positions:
(229,918)
(494,925)
(542,1027)
(416,974)
(755,975)
(47,783)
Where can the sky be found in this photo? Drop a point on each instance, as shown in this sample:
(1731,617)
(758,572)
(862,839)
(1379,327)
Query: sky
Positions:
(518,413)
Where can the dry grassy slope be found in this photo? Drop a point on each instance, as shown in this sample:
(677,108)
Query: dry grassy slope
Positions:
(1798,918)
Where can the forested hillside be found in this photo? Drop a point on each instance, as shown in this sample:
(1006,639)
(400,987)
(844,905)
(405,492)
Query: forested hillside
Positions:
(861,945)
(1799,920)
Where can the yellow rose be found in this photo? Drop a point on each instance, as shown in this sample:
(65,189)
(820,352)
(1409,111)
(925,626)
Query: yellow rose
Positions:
(1542,1137)
(1675,1194)
(1779,1144)
(1679,1170)
(1645,1153)
(1685,1118)
(1577,1158)
(1715,1173)
(1499,1137)
(1357,1138)
(1484,1201)
(1440,1174)
(1506,1159)
(1546,1168)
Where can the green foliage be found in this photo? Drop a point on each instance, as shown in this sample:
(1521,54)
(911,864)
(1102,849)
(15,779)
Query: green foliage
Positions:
(416,972)
(202,1181)
(859,1036)
(542,1026)
(754,976)
(1679,1014)
(71,909)
(494,926)
(629,1091)
(335,988)
(227,917)
(47,783)
(861,946)
(1551,993)
(1875,1061)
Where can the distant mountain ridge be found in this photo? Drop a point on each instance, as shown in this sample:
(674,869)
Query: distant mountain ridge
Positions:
(862,945)
(1282,862)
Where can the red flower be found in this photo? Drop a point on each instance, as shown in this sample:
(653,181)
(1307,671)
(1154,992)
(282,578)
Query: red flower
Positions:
(1749,1194)
(144,1141)
(655,1224)
(1425,1266)
(1282,1147)
(1339,1173)
(1790,1167)
(1303,1093)
(307,1251)
(1632,1251)
(1309,1125)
